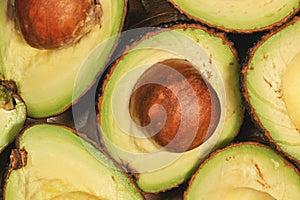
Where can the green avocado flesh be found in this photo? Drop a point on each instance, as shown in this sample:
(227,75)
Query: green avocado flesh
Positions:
(158,169)
(59,164)
(50,80)
(243,15)
(245,171)
(12,116)
(272,87)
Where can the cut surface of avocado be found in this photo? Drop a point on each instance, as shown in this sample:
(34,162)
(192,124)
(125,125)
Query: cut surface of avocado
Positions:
(271,78)
(58,164)
(158,169)
(245,171)
(50,80)
(246,15)
(12,115)
(291,90)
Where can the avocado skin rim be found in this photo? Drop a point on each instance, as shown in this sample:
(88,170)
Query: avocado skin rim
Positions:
(246,98)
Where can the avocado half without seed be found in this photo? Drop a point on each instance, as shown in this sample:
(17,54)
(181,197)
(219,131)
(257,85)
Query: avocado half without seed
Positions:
(245,171)
(271,84)
(12,113)
(54,162)
(171,99)
(54,50)
(239,16)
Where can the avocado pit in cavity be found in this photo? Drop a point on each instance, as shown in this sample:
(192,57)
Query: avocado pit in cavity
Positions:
(174,105)
(51,24)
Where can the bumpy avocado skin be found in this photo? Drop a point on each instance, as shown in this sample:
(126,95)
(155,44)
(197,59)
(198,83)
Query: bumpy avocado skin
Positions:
(245,171)
(50,80)
(54,162)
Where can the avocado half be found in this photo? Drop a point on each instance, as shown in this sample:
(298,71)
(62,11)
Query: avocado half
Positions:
(239,16)
(245,171)
(55,162)
(50,80)
(157,169)
(12,113)
(271,80)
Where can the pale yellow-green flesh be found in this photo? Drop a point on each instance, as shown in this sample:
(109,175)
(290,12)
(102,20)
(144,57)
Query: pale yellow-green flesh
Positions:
(245,172)
(11,122)
(159,169)
(291,90)
(239,15)
(49,80)
(61,165)
(264,85)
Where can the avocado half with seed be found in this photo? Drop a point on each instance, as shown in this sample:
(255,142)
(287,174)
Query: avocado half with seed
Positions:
(239,16)
(12,113)
(271,84)
(54,162)
(182,76)
(245,171)
(50,69)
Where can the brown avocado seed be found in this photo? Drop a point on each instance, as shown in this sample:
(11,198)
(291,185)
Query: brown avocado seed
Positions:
(52,24)
(174,105)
